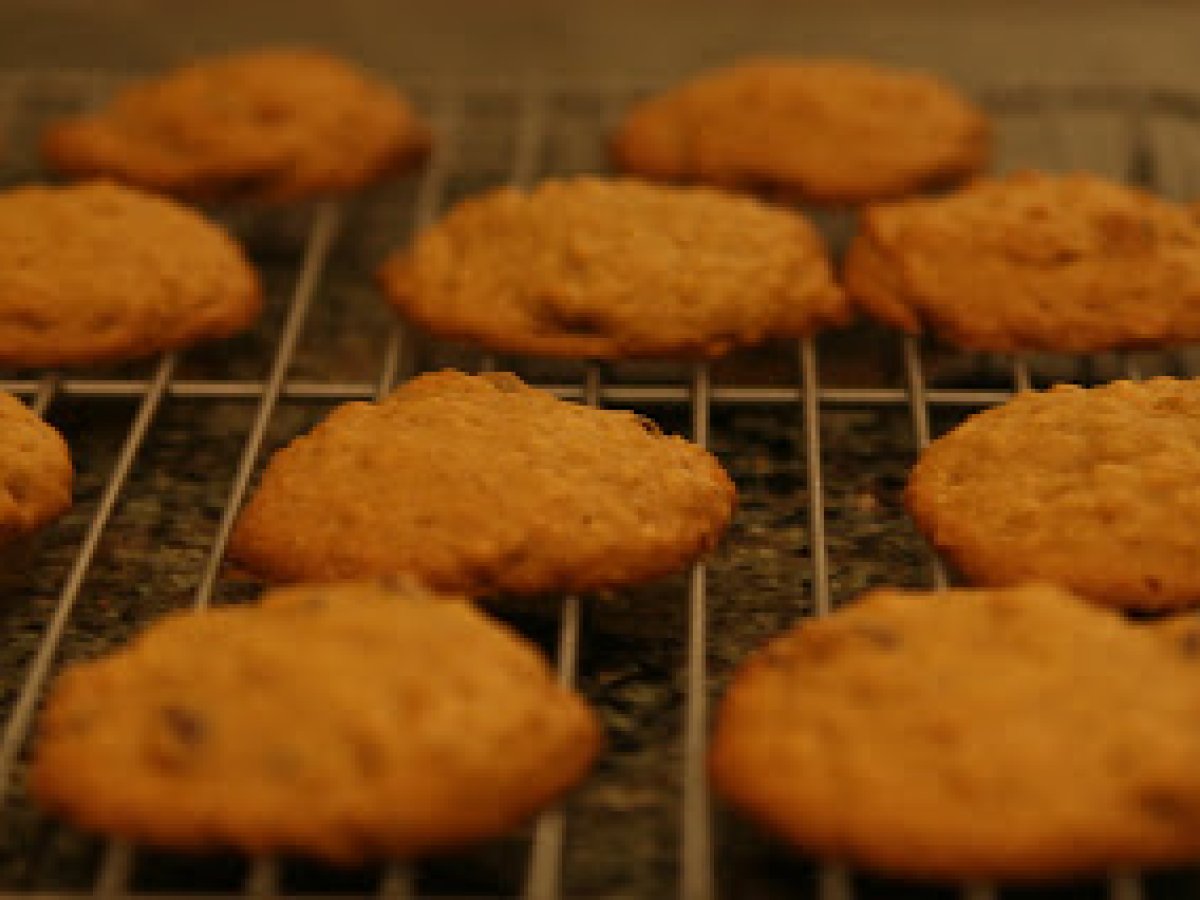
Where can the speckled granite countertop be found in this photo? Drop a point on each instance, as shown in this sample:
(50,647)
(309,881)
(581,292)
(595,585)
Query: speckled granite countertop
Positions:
(623,825)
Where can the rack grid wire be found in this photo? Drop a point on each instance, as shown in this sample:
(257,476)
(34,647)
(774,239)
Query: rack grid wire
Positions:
(818,436)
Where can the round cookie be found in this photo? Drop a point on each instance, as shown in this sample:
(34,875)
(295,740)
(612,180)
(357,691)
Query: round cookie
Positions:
(269,125)
(96,273)
(615,268)
(1011,734)
(830,131)
(1033,262)
(1094,489)
(483,484)
(343,721)
(35,471)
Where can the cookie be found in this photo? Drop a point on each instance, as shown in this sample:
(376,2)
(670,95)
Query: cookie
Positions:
(607,269)
(35,471)
(1033,261)
(482,484)
(980,734)
(1092,489)
(343,721)
(270,125)
(829,131)
(97,273)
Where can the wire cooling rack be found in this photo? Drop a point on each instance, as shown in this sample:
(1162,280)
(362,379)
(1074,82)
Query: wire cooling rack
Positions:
(818,436)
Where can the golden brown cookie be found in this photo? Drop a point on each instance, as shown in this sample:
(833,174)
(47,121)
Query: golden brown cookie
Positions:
(342,721)
(35,471)
(483,484)
(1095,490)
(1015,734)
(98,273)
(1033,262)
(614,268)
(830,131)
(268,125)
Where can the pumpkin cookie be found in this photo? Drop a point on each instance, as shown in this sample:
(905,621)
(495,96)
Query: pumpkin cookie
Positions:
(978,734)
(269,125)
(614,268)
(1095,490)
(100,273)
(483,484)
(1033,262)
(830,131)
(343,721)
(35,471)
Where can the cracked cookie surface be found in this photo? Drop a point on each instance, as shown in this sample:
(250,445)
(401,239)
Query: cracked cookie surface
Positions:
(35,471)
(613,268)
(1033,261)
(97,273)
(827,130)
(344,721)
(1016,733)
(483,484)
(1094,489)
(269,125)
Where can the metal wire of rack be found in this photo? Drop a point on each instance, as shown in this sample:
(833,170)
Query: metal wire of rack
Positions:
(1145,135)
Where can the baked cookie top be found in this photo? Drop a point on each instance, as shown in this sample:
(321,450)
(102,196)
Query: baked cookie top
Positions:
(482,484)
(342,721)
(615,268)
(828,130)
(269,125)
(35,471)
(1094,489)
(1011,733)
(1033,261)
(96,273)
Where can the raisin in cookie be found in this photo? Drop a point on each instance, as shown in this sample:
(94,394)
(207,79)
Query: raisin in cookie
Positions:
(614,268)
(1014,733)
(97,273)
(343,721)
(1094,489)
(832,131)
(1033,262)
(269,125)
(35,471)
(483,484)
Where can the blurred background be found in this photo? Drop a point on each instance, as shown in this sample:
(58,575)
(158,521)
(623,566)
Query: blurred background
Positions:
(966,39)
